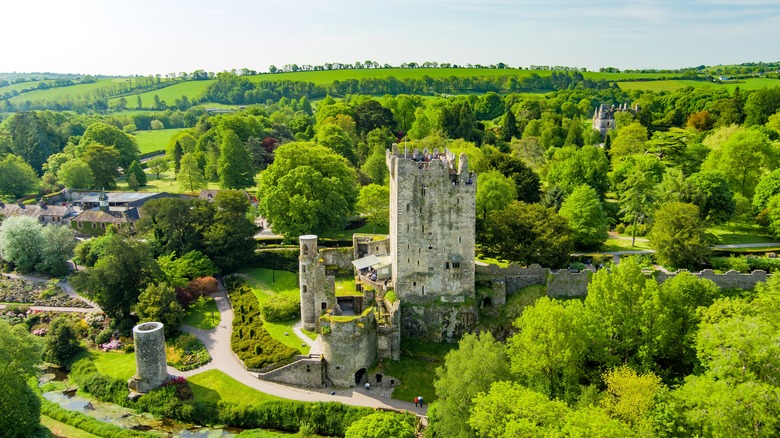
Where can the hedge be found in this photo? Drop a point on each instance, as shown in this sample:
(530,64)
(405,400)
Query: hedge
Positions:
(250,340)
(281,259)
(280,308)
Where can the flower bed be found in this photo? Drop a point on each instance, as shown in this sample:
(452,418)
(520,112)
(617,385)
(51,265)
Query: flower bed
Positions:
(185,352)
(13,290)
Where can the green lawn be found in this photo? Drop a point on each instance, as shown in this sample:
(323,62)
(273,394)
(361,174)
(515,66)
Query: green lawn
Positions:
(266,283)
(214,385)
(734,233)
(624,244)
(117,365)
(72,91)
(492,261)
(345,287)
(416,369)
(58,429)
(277,331)
(206,318)
(168,183)
(156,140)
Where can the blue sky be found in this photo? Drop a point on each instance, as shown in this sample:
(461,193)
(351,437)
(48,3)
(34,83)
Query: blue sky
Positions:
(165,36)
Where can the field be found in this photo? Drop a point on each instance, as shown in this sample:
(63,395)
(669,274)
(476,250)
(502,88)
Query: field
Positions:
(60,92)
(117,365)
(168,183)
(673,85)
(191,89)
(732,234)
(21,86)
(214,386)
(206,318)
(155,140)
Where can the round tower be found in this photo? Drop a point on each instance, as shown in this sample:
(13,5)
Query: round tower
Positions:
(150,363)
(308,262)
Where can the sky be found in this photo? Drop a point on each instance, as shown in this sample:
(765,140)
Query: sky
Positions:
(123,37)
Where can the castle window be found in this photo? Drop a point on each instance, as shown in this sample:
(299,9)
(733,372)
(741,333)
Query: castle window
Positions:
(303,268)
(407,207)
(455,265)
(423,290)
(408,260)
(446,265)
(305,249)
(430,246)
(414,283)
(418,263)
(430,268)
(308,368)
(423,228)
(324,305)
(460,239)
(423,190)
(421,209)
(304,288)
(407,228)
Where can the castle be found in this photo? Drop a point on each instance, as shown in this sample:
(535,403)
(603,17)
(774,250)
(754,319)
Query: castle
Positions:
(416,282)
(604,117)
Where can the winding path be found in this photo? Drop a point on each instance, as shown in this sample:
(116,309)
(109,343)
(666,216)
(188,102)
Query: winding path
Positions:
(217,342)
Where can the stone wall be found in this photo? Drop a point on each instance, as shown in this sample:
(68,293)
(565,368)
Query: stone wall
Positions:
(340,258)
(565,283)
(438,322)
(306,371)
(389,333)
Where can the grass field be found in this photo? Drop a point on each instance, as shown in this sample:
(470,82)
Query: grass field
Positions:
(168,183)
(58,429)
(60,92)
(368,228)
(416,369)
(156,140)
(191,89)
(21,86)
(206,318)
(673,85)
(732,234)
(117,365)
(624,244)
(214,385)
(277,331)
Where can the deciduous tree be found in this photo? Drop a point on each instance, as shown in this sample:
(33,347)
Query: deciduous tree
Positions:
(17,178)
(189,176)
(374,203)
(679,236)
(235,167)
(158,303)
(586,216)
(20,355)
(76,174)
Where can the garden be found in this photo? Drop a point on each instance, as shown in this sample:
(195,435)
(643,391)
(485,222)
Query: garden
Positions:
(19,291)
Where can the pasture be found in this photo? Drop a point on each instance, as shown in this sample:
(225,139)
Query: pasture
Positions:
(674,85)
(73,91)
(155,140)
(191,89)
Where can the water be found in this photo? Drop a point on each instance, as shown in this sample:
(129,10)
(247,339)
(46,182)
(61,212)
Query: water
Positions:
(126,417)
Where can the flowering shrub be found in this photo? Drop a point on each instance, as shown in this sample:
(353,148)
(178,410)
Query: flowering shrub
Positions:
(114,344)
(40,331)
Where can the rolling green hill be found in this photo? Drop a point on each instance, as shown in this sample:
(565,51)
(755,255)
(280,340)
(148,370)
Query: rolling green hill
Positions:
(191,89)
(672,85)
(73,91)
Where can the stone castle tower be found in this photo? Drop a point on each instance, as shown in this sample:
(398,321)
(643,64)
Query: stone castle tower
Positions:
(317,289)
(432,237)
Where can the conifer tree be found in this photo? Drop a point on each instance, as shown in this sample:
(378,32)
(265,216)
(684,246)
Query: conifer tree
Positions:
(140,175)
(235,165)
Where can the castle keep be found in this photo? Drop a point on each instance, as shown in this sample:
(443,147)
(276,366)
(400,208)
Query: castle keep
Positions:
(416,282)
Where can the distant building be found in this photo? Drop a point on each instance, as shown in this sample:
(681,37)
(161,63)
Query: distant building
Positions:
(604,117)
(47,214)
(101,209)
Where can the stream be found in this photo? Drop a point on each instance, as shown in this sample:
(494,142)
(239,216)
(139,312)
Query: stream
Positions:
(126,417)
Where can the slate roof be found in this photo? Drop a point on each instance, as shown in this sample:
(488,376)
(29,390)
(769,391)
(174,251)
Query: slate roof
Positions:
(33,210)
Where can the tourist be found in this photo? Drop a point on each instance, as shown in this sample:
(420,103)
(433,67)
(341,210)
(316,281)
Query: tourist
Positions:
(416,400)
(420,400)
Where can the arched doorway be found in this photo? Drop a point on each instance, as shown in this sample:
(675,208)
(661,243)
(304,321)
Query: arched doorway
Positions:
(487,302)
(378,378)
(361,377)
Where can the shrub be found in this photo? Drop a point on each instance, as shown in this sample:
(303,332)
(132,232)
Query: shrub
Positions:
(280,308)
(620,228)
(104,336)
(248,331)
(730,263)
(87,423)
(283,260)
(195,289)
(185,352)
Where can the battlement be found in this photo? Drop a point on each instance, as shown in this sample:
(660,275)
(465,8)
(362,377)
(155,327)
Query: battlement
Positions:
(440,163)
(347,325)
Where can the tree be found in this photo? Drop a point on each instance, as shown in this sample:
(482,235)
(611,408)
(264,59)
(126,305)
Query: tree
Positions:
(494,192)
(140,175)
(158,165)
(570,167)
(235,167)
(174,225)
(56,250)
(17,178)
(190,266)
(158,304)
(229,241)
(630,140)
(21,241)
(189,176)
(679,236)
(124,269)
(574,136)
(76,174)
(479,361)
(586,216)
(374,203)
(637,199)
(20,355)
(371,115)
(509,129)
(711,192)
(743,157)
(103,160)
(336,139)
(381,425)
(548,351)
(768,187)
(62,342)
(107,135)
(177,155)
(526,233)
(526,181)
(308,189)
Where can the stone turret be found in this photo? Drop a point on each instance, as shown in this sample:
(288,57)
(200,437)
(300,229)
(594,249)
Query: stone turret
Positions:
(317,289)
(150,361)
(349,347)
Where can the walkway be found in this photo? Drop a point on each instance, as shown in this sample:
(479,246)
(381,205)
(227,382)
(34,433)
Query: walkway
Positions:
(217,342)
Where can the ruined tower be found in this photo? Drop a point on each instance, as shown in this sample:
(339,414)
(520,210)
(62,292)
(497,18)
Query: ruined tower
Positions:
(150,362)
(432,228)
(317,289)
